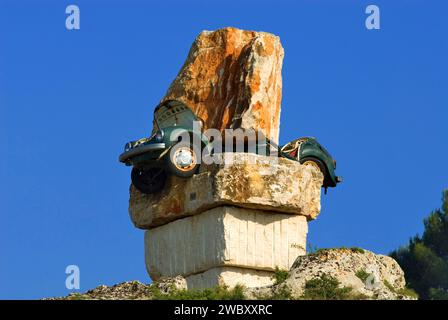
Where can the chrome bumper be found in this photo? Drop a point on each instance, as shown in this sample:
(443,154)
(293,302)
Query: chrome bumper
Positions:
(140,150)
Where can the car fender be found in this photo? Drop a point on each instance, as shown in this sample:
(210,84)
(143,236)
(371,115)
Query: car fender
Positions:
(164,153)
(204,142)
(313,152)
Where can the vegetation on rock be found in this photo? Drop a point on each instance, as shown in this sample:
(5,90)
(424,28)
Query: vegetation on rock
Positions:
(362,275)
(280,275)
(408,292)
(216,293)
(352,249)
(328,288)
(330,274)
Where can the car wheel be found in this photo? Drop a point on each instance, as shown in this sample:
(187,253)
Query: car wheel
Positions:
(182,160)
(316,163)
(148,180)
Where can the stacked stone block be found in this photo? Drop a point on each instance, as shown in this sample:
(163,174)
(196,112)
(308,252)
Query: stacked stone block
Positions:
(232,223)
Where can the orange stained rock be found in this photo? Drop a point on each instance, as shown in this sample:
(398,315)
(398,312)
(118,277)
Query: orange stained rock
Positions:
(231,70)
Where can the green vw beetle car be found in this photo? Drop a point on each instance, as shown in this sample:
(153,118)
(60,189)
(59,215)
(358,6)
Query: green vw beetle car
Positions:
(176,147)
(309,152)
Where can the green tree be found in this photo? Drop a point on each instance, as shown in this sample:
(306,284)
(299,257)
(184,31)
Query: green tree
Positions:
(425,259)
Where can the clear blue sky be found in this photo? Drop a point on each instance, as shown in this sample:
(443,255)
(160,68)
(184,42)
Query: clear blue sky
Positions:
(69,100)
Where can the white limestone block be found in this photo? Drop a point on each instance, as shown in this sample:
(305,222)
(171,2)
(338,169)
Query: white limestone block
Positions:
(225,236)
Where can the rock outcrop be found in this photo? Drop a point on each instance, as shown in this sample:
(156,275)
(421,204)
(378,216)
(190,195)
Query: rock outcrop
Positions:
(230,71)
(361,273)
(367,275)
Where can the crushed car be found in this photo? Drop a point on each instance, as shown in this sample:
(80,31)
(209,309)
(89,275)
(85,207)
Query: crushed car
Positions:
(176,146)
(165,151)
(308,151)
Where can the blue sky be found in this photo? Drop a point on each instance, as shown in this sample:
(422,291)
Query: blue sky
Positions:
(69,100)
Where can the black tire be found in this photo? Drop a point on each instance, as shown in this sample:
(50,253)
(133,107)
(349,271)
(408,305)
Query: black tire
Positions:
(322,168)
(182,160)
(319,163)
(148,180)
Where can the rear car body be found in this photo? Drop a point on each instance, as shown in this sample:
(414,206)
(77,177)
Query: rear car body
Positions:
(178,143)
(307,149)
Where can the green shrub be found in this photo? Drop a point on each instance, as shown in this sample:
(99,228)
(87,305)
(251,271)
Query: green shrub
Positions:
(404,291)
(408,292)
(354,249)
(326,288)
(280,275)
(319,251)
(216,293)
(424,259)
(322,250)
(438,294)
(389,286)
(362,274)
(77,296)
(358,250)
(282,292)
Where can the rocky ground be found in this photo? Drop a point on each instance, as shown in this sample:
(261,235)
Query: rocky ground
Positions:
(344,273)
(360,274)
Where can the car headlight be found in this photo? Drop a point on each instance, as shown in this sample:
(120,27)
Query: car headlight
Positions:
(127,147)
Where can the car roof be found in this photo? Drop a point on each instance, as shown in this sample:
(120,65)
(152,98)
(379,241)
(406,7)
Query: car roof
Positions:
(172,103)
(174,113)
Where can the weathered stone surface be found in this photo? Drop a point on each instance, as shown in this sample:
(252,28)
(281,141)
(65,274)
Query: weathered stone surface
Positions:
(230,277)
(130,290)
(225,236)
(342,264)
(252,181)
(228,69)
(165,285)
(385,282)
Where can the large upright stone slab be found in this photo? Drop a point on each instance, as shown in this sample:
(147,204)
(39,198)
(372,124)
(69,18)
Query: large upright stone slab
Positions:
(232,70)
(243,180)
(225,237)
